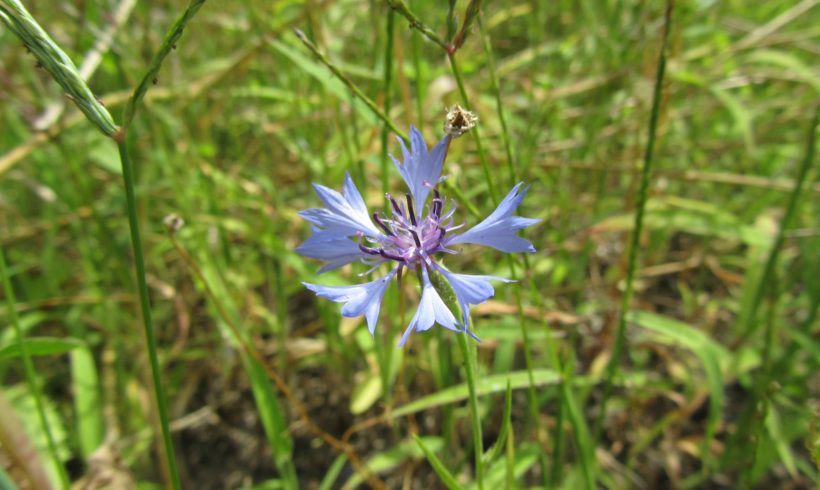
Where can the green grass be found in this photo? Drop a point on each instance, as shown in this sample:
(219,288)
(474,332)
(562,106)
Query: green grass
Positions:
(664,335)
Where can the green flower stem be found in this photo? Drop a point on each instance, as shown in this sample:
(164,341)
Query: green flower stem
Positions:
(469,354)
(386,356)
(145,306)
(626,300)
(31,376)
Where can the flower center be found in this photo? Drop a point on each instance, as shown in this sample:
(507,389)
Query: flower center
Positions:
(410,239)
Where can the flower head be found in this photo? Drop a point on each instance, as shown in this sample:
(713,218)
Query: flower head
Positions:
(412,235)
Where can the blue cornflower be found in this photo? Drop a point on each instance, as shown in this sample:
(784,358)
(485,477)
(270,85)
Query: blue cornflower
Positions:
(412,236)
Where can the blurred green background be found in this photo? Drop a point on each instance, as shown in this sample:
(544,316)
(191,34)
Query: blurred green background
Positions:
(717,385)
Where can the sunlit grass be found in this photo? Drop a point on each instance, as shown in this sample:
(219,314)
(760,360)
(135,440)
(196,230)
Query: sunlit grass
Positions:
(269,387)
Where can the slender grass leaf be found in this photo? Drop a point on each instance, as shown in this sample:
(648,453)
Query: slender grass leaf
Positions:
(365,393)
(788,61)
(781,444)
(526,455)
(87,401)
(24,407)
(274,419)
(501,442)
(447,478)
(737,109)
(393,457)
(41,346)
(332,474)
(691,217)
(708,351)
(489,384)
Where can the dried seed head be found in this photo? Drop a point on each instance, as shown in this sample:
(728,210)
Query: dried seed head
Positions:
(459,121)
(174,223)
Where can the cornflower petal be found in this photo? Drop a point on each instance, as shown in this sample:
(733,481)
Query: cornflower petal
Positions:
(431,310)
(498,229)
(344,215)
(470,290)
(335,251)
(361,299)
(421,169)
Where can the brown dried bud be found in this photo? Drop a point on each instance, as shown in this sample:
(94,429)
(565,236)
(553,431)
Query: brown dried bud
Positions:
(174,223)
(459,121)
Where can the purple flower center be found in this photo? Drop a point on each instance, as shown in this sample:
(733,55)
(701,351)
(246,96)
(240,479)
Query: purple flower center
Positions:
(410,240)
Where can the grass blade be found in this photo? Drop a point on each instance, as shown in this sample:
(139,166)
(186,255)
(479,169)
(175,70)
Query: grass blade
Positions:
(447,478)
(31,374)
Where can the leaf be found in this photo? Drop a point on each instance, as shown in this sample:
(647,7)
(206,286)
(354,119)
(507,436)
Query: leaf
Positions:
(365,393)
(781,443)
(41,346)
(332,474)
(695,217)
(501,441)
(393,457)
(788,61)
(737,109)
(447,478)
(87,401)
(708,351)
(274,419)
(486,385)
(24,407)
(27,322)
(526,455)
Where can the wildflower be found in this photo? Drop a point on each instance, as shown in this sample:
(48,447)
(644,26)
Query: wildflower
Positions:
(413,235)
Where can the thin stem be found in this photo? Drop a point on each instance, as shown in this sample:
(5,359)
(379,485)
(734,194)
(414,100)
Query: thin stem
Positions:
(482,157)
(759,406)
(145,307)
(387,89)
(626,300)
(416,23)
(347,81)
(771,261)
(494,84)
(469,355)
(168,44)
(387,350)
(31,376)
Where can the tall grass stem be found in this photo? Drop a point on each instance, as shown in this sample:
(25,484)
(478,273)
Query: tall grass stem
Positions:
(777,245)
(147,320)
(643,192)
